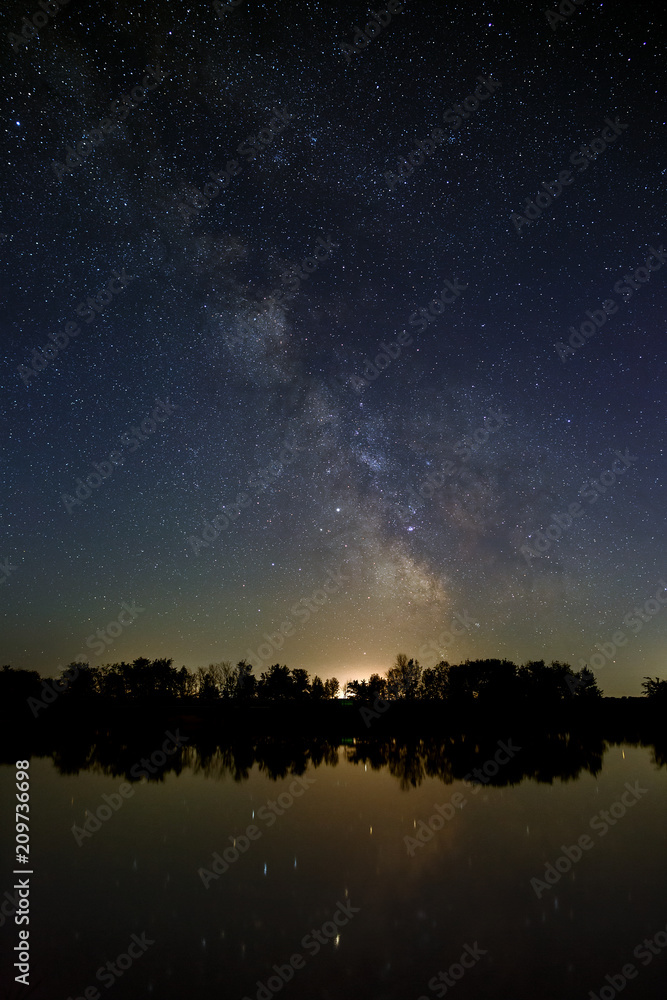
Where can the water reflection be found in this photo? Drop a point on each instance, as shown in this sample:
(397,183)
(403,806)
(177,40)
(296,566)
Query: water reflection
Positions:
(543,758)
(193,860)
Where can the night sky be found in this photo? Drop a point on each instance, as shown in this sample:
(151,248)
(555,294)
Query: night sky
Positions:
(197,326)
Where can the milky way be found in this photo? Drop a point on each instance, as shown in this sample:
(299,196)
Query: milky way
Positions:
(233,320)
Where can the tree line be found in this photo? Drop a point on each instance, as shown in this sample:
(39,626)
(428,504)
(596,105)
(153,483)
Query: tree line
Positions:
(487,681)
(160,680)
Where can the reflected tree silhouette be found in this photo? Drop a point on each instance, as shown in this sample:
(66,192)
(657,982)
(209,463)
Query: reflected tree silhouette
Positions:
(543,758)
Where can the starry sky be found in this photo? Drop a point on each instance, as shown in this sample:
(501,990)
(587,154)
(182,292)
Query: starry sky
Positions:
(196,326)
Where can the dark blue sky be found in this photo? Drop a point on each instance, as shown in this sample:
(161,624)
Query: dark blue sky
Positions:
(239,376)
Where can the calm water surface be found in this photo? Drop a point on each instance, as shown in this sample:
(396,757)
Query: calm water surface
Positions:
(343,841)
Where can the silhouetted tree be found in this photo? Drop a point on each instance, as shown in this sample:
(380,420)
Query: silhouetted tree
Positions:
(246,682)
(86,682)
(435,682)
(161,679)
(112,680)
(403,678)
(224,677)
(331,687)
(300,683)
(207,687)
(137,679)
(357,690)
(186,686)
(495,680)
(583,684)
(317,689)
(276,683)
(655,689)
(18,685)
(377,687)
(545,685)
